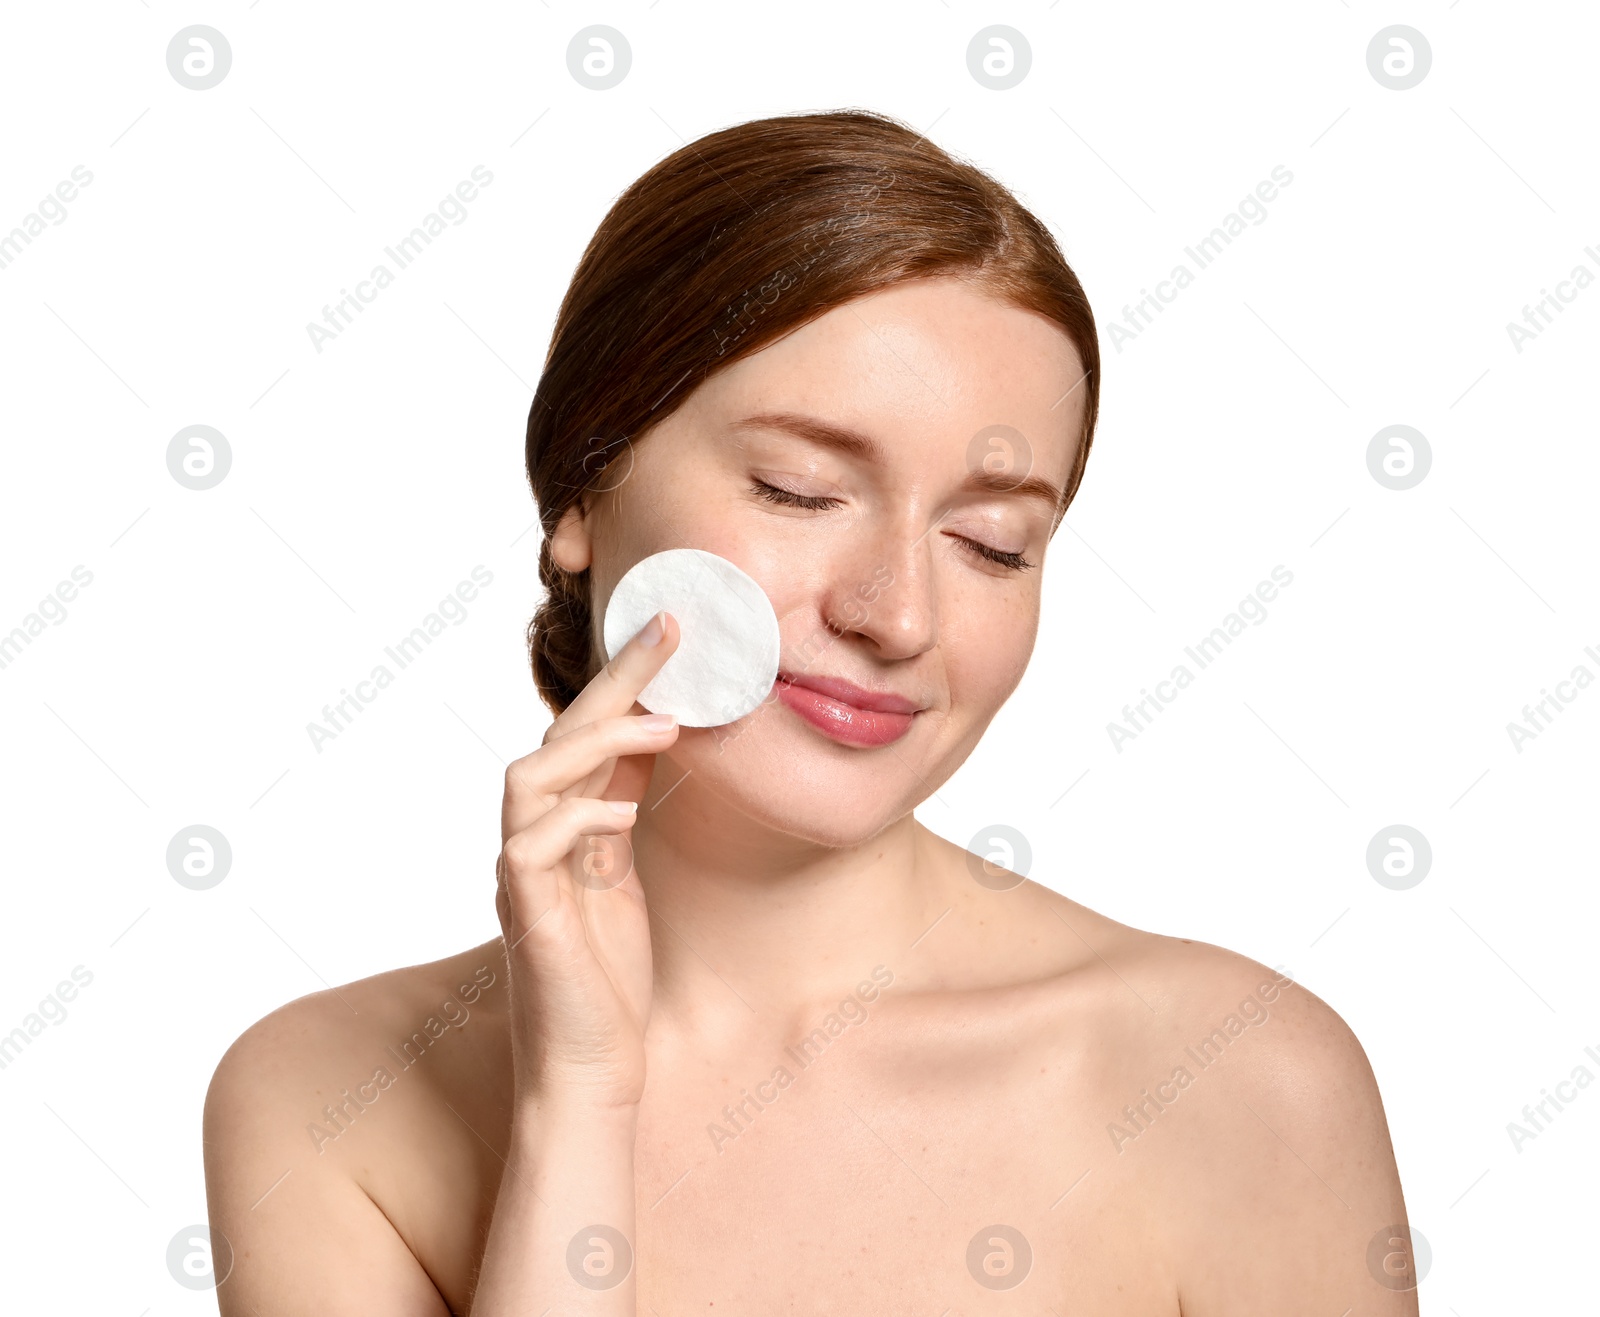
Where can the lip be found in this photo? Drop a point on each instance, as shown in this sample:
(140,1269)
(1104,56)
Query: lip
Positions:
(846,712)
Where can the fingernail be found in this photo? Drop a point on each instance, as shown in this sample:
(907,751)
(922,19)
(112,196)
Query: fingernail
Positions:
(658,722)
(654,630)
(623,806)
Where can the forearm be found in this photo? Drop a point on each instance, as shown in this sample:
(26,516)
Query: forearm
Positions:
(562,1236)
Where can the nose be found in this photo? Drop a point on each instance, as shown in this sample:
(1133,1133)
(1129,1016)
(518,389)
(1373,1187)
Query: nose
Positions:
(885,593)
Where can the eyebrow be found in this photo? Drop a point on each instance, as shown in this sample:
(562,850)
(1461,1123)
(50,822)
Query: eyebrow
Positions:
(867,449)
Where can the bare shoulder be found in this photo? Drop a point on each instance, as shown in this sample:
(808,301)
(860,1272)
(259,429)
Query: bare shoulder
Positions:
(1182,987)
(1245,1105)
(300,1115)
(314,1037)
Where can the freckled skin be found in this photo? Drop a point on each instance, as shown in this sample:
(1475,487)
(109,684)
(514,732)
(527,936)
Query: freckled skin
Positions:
(982,1088)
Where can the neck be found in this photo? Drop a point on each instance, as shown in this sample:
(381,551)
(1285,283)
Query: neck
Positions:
(753,928)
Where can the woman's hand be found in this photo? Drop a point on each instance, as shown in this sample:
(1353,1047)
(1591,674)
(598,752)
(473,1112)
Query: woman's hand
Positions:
(571,908)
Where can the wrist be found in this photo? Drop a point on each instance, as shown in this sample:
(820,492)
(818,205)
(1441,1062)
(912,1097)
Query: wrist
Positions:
(574,1108)
(578,1090)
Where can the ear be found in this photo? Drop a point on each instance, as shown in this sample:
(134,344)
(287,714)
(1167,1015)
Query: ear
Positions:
(571,546)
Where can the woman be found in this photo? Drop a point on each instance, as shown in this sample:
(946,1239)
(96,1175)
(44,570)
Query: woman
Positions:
(752,1039)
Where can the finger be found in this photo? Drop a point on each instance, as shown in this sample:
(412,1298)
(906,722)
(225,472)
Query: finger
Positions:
(615,688)
(576,763)
(531,858)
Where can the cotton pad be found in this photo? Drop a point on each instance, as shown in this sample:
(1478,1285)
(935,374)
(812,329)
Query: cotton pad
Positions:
(727,656)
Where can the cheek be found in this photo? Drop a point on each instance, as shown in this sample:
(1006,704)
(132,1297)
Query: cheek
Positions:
(795,581)
(985,650)
(685,517)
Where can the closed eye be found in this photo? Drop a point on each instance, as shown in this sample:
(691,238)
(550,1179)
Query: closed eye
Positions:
(1015,561)
(789,499)
(817,502)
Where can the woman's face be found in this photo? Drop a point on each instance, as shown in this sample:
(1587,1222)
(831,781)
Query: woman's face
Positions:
(905,561)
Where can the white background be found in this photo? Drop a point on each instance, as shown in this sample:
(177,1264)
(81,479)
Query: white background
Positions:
(370,478)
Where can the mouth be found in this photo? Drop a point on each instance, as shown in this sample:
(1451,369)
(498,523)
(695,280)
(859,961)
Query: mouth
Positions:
(846,712)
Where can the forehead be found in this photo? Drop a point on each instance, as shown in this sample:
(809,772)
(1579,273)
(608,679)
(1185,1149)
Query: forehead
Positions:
(934,360)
